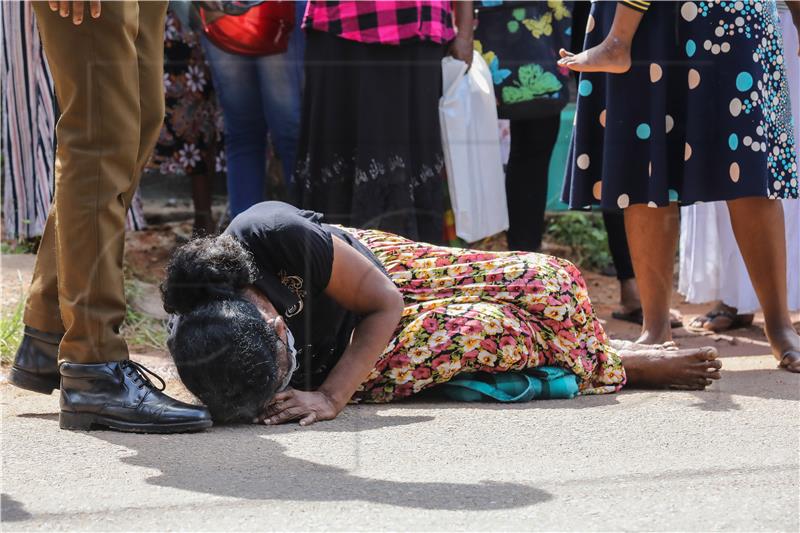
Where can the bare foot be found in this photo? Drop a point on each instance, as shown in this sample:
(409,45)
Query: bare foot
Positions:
(658,336)
(631,346)
(612,55)
(786,348)
(692,369)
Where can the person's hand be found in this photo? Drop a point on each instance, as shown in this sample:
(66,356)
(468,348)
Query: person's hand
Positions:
(292,404)
(78,8)
(461,48)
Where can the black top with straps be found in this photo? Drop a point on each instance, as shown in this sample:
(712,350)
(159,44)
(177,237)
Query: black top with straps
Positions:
(293,252)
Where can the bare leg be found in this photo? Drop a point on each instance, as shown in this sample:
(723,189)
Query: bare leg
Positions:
(653,238)
(759,228)
(614,53)
(201,195)
(657,367)
(629,295)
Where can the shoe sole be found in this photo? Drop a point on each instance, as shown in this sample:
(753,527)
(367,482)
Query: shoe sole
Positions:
(89,422)
(29,381)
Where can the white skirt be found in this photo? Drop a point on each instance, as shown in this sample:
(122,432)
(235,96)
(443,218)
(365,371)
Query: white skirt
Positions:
(711,267)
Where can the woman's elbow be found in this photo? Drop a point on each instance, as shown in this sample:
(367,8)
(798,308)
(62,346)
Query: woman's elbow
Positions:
(395,303)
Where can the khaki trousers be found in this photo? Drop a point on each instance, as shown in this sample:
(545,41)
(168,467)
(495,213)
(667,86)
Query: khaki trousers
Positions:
(108,81)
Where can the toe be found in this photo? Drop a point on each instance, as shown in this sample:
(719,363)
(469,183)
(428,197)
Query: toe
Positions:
(716,374)
(565,53)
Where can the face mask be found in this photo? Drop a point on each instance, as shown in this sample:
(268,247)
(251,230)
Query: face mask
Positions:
(292,353)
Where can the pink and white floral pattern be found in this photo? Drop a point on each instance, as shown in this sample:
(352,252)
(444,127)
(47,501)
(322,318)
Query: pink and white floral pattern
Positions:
(469,311)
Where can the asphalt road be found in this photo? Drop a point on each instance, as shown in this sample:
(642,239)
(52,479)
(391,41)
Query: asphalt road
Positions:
(724,459)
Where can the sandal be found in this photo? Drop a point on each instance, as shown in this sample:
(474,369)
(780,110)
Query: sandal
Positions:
(637,317)
(790,360)
(735,321)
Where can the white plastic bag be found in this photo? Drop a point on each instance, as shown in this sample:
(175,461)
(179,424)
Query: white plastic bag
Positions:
(468,117)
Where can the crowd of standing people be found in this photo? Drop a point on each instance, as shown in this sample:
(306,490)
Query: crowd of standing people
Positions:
(680,105)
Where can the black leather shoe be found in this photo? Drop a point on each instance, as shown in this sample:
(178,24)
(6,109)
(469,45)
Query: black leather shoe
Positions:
(121,396)
(35,365)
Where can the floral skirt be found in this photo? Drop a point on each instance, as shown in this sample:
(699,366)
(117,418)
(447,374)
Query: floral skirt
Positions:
(471,311)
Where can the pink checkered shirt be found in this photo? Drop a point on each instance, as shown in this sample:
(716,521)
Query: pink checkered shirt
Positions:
(383,21)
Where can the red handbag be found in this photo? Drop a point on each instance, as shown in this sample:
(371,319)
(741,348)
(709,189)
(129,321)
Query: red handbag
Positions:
(261,31)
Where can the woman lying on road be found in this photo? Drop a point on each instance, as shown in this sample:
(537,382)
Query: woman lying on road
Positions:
(284,318)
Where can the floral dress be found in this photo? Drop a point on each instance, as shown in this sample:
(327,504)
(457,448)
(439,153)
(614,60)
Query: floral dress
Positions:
(703,114)
(470,311)
(190,142)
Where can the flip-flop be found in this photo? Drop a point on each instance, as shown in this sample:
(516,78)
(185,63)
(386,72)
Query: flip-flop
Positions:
(789,359)
(736,321)
(637,317)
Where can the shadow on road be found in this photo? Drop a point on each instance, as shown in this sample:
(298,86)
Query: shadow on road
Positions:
(11,510)
(243,462)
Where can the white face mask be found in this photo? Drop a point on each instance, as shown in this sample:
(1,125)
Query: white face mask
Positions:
(292,353)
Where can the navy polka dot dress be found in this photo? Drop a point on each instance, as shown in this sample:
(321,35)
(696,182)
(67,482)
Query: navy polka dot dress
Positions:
(703,115)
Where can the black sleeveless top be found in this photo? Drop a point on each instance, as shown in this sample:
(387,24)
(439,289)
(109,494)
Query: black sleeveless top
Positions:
(293,252)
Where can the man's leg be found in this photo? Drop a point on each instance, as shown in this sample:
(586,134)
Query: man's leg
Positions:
(652,238)
(104,71)
(758,224)
(95,74)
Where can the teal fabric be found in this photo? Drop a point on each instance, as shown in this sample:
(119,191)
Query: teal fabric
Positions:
(543,383)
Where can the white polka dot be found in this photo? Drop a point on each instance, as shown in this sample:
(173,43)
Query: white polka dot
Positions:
(603,118)
(739,6)
(760,130)
(652,204)
(754,96)
(756,57)
(669,123)
(687,152)
(775,150)
(735,107)
(590,24)
(755,146)
(777,185)
(694,79)
(689,11)
(707,44)
(726,47)
(783,137)
(734,172)
(715,49)
(623,201)
(655,72)
(720,31)
(583,161)
(739,21)
(747,141)
(650,169)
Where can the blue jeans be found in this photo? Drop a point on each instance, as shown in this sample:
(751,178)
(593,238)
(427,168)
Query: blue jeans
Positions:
(257,94)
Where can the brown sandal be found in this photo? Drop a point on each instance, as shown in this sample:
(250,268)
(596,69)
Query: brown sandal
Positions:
(736,321)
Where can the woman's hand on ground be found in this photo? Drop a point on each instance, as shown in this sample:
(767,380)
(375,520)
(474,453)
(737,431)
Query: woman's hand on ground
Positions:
(293,404)
(461,48)
(78,8)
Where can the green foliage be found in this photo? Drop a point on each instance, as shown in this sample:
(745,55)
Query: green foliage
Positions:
(19,247)
(585,234)
(11,328)
(141,330)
